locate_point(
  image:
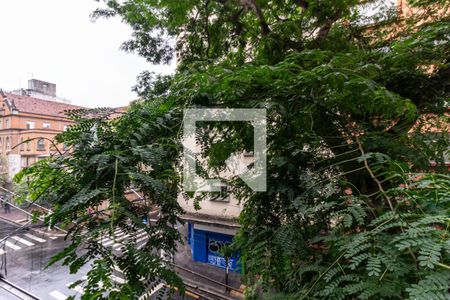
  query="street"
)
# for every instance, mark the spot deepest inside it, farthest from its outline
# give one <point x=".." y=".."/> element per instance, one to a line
<point x="25" y="254"/>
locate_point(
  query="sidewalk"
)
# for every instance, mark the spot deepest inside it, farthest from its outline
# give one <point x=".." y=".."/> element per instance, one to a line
<point x="21" y="218"/>
<point x="15" y="215"/>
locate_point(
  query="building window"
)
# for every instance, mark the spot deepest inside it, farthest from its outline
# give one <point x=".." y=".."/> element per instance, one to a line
<point x="249" y="154"/>
<point x="40" y="144"/>
<point x="22" y="145"/>
<point x="7" y="123"/>
<point x="28" y="144"/>
<point x="1" y="145"/>
<point x="30" y="125"/>
<point x="222" y="196"/>
<point x="8" y="143"/>
<point x="46" y="125"/>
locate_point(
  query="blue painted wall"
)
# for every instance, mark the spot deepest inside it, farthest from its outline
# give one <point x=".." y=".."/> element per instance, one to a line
<point x="199" y="246"/>
<point x="204" y="246"/>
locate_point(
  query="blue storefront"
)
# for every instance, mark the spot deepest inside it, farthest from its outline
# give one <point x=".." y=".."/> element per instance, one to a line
<point x="205" y="245"/>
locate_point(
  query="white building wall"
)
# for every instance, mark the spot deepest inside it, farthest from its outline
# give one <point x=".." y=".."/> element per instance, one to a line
<point x="14" y="165"/>
<point x="221" y="209"/>
<point x="226" y="209"/>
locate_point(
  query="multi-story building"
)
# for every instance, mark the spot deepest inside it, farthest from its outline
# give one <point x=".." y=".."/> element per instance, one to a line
<point x="211" y="227"/>
<point x="215" y="223"/>
<point x="28" y="124"/>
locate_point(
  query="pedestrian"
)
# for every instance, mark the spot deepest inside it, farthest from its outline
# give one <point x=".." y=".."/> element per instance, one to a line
<point x="7" y="207"/>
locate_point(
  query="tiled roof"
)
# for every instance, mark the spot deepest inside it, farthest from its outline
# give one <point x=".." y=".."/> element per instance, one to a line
<point x="38" y="106"/>
<point x="119" y="111"/>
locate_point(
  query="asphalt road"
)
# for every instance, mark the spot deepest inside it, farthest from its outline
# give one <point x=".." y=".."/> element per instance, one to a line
<point x="4" y="295"/>
<point x="23" y="260"/>
<point x="24" y="257"/>
<point x="6" y="228"/>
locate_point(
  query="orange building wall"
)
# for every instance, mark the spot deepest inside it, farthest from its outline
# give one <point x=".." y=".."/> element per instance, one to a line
<point x="13" y="130"/>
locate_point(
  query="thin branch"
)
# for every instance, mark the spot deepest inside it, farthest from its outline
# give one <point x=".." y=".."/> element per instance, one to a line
<point x="208" y="36"/>
<point x="372" y="175"/>
<point x="38" y="138"/>
<point x="383" y="192"/>
<point x="265" y="30"/>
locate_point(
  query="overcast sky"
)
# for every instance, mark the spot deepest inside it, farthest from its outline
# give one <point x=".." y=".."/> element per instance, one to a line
<point x="55" y="40"/>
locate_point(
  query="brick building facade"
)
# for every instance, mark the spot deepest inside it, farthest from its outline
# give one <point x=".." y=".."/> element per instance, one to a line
<point x="24" y="118"/>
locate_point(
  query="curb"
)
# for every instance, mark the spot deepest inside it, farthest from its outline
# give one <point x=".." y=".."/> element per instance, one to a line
<point x="16" y="223"/>
<point x="10" y="222"/>
<point x="53" y="234"/>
